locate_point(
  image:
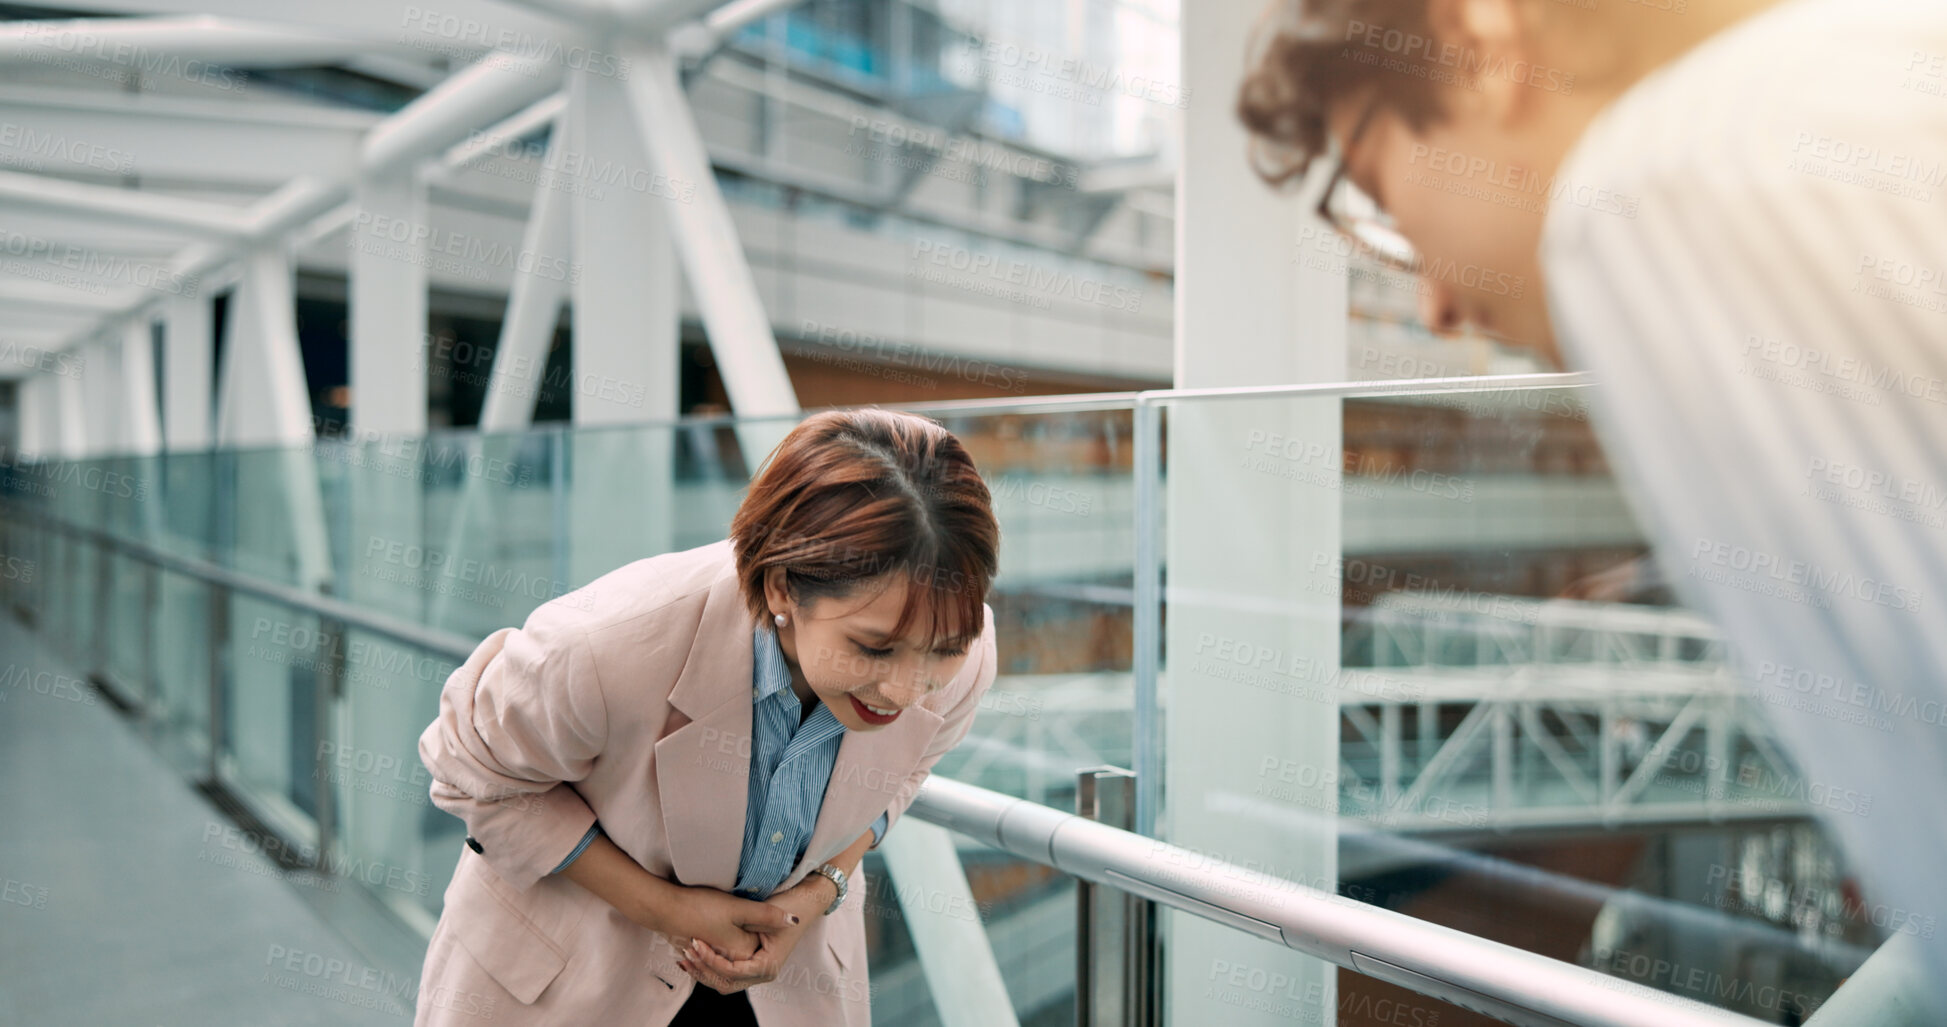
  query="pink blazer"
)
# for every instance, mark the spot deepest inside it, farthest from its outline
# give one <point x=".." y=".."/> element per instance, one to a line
<point x="629" y="699"/>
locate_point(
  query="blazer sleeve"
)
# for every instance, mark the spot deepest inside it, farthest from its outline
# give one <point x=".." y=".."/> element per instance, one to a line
<point x="954" y="727"/>
<point x="521" y="718"/>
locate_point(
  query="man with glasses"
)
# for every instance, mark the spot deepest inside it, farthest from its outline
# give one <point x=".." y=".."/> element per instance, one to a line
<point x="1733" y="213"/>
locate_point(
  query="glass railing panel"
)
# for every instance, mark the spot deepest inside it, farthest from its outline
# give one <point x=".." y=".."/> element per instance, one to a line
<point x="270" y="713"/>
<point x="1413" y="655"/>
<point x="389" y="835"/>
<point x="180" y="662"/>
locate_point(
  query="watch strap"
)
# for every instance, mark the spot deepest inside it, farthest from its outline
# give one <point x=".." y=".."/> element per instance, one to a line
<point x="837" y="877"/>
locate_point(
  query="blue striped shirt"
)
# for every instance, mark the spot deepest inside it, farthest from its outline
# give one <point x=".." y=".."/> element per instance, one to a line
<point x="790" y="765"/>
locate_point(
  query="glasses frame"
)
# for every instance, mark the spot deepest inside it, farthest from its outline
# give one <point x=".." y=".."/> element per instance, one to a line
<point x="1360" y="231"/>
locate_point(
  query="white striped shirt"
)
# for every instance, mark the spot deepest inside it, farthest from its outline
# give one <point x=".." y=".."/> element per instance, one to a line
<point x="1768" y="335"/>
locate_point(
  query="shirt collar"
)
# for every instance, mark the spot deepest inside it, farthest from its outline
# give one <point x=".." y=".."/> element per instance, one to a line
<point x="769" y="671"/>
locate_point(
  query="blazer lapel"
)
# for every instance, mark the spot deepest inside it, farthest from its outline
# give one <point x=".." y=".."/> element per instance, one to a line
<point x="871" y="768"/>
<point x="703" y="767"/>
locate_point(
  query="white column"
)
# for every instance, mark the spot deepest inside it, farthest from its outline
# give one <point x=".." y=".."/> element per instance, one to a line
<point x="101" y="405"/>
<point x="142" y="428"/>
<point x="390" y="237"/>
<point x="390" y="233"/>
<point x="31" y="409"/>
<point x="1251" y="552"/>
<point x="71" y="435"/>
<point x="187" y="348"/>
<point x="626" y="317"/>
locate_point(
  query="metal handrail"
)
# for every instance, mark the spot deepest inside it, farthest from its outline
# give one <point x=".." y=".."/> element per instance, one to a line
<point x="1073" y="401"/>
<point x="1474" y="973"/>
<point x="434" y="641"/>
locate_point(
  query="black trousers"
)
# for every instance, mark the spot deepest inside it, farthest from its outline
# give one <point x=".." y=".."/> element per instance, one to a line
<point x="706" y="1008"/>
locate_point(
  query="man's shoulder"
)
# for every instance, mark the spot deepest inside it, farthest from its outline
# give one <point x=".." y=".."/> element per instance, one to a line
<point x="1783" y="100"/>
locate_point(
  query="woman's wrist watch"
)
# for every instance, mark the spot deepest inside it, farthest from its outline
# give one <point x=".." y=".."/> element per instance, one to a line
<point x="837" y="877"/>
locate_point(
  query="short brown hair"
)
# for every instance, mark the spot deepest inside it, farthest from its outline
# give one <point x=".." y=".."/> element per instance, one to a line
<point x="1310" y="63"/>
<point x="852" y="494"/>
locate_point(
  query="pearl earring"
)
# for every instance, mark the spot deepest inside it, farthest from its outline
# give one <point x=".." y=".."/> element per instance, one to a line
<point x="779" y="618"/>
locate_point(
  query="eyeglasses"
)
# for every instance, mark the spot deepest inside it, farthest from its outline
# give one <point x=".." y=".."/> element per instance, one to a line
<point x="1354" y="215"/>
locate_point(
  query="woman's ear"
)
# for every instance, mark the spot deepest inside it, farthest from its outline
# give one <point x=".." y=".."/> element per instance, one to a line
<point x="777" y="595"/>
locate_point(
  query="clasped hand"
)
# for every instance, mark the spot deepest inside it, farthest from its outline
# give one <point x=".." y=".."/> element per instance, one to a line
<point x="731" y="943"/>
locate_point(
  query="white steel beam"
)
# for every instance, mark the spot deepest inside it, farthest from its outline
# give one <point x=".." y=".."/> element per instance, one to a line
<point x="257" y="145"/>
<point x="147" y="43"/>
<point x="22" y="292"/>
<point x="533" y="304"/>
<point x="128" y="206"/>
<point x="463" y="20"/>
<point x="485" y="92"/>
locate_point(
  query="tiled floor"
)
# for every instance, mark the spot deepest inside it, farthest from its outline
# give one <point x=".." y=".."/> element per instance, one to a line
<point x="126" y="898"/>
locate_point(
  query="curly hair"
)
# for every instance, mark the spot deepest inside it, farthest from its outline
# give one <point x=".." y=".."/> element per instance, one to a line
<point x="1310" y="55"/>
